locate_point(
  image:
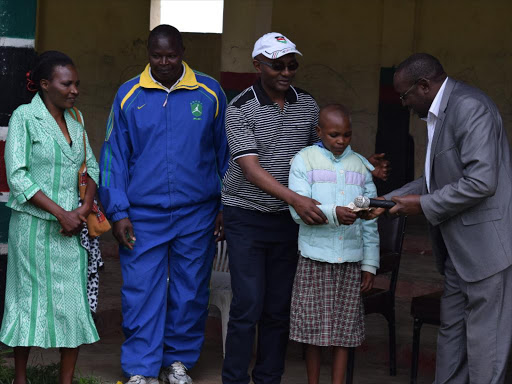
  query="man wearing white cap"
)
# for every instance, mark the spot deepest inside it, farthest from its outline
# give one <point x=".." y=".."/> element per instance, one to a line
<point x="266" y="125"/>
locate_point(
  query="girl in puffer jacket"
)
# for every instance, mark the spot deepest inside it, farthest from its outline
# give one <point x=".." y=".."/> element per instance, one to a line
<point x="339" y="258"/>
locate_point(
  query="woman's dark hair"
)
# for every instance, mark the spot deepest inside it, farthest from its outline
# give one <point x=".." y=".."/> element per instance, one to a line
<point x="43" y="69"/>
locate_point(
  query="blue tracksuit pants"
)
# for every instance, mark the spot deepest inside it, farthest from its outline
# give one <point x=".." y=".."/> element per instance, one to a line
<point x="164" y="322"/>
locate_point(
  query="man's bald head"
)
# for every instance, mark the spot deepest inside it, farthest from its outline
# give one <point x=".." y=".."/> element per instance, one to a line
<point x="421" y="65"/>
<point x="417" y="80"/>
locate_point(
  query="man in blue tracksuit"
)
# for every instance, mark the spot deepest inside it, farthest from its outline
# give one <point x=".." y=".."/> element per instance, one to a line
<point x="162" y="163"/>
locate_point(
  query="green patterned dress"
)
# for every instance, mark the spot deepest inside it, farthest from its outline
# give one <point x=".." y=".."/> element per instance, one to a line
<point x="46" y="294"/>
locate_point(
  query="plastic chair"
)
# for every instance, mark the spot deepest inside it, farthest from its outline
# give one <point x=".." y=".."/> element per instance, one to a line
<point x="424" y="309"/>
<point x="220" y="288"/>
<point x="377" y="300"/>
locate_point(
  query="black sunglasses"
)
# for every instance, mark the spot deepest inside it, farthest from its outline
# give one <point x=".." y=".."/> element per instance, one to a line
<point x="279" y="66"/>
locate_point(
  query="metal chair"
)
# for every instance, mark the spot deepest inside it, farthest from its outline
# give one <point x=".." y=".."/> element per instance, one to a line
<point x="220" y="288"/>
<point x="377" y="300"/>
<point x="424" y="309"/>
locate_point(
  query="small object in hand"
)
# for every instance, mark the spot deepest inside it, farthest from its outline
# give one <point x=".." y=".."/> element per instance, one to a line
<point x="356" y="208"/>
<point x="129" y="238"/>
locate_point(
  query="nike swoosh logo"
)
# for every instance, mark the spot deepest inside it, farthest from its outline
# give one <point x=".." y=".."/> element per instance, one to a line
<point x="141" y="106"/>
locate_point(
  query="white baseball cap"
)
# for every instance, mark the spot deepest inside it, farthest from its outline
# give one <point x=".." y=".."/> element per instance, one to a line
<point x="273" y="45"/>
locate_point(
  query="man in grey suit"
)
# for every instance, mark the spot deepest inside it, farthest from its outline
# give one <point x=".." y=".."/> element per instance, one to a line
<point x="465" y="194"/>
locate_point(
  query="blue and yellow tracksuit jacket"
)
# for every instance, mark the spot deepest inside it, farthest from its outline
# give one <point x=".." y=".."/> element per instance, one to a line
<point x="161" y="149"/>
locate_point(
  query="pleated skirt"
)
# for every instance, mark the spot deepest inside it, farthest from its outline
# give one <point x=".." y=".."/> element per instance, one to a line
<point x="327" y="307"/>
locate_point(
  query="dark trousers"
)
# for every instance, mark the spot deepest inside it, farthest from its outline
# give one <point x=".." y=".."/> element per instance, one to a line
<point x="262" y="250"/>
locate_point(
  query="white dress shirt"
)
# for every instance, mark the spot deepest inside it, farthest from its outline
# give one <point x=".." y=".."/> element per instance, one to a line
<point x="432" y="118"/>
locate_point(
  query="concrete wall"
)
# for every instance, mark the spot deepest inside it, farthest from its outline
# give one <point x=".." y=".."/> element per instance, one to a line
<point x="244" y="22"/>
<point x="345" y="43"/>
<point x="107" y="41"/>
<point x="473" y="40"/>
<point x="202" y="52"/>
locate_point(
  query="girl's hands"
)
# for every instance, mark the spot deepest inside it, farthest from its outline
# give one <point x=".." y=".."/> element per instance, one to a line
<point x="345" y="215"/>
<point x="366" y="281"/>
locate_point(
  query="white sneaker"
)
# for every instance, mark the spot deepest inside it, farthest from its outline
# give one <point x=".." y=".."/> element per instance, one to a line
<point x="139" y="379"/>
<point x="176" y="373"/>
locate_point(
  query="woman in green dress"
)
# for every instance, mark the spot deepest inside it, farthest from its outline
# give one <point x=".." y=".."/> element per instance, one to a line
<point x="46" y="299"/>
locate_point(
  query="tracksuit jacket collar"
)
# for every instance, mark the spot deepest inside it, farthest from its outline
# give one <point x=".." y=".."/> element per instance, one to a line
<point x="188" y="81"/>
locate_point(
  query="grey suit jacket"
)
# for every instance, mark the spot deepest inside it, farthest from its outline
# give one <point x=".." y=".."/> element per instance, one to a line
<point x="469" y="207"/>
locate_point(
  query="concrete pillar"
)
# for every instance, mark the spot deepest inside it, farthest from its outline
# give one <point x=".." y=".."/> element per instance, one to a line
<point x="244" y="22"/>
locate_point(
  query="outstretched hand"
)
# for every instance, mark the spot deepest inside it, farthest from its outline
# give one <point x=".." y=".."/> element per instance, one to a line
<point x="382" y="166"/>
<point x="372" y="213"/>
<point x="308" y="211"/>
<point x="407" y="205"/>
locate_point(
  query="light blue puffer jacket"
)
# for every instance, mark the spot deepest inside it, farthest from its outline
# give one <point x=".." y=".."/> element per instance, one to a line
<point x="335" y="181"/>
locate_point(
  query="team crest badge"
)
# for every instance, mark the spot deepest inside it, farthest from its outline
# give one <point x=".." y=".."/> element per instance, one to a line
<point x="196" y="107"/>
<point x="281" y="39"/>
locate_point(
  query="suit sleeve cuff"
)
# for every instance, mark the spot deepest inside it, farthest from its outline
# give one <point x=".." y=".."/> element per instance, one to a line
<point x="388" y="196"/>
<point x="431" y="217"/>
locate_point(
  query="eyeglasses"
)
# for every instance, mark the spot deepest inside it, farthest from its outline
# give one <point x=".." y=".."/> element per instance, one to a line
<point x="279" y="66"/>
<point x="403" y="96"/>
